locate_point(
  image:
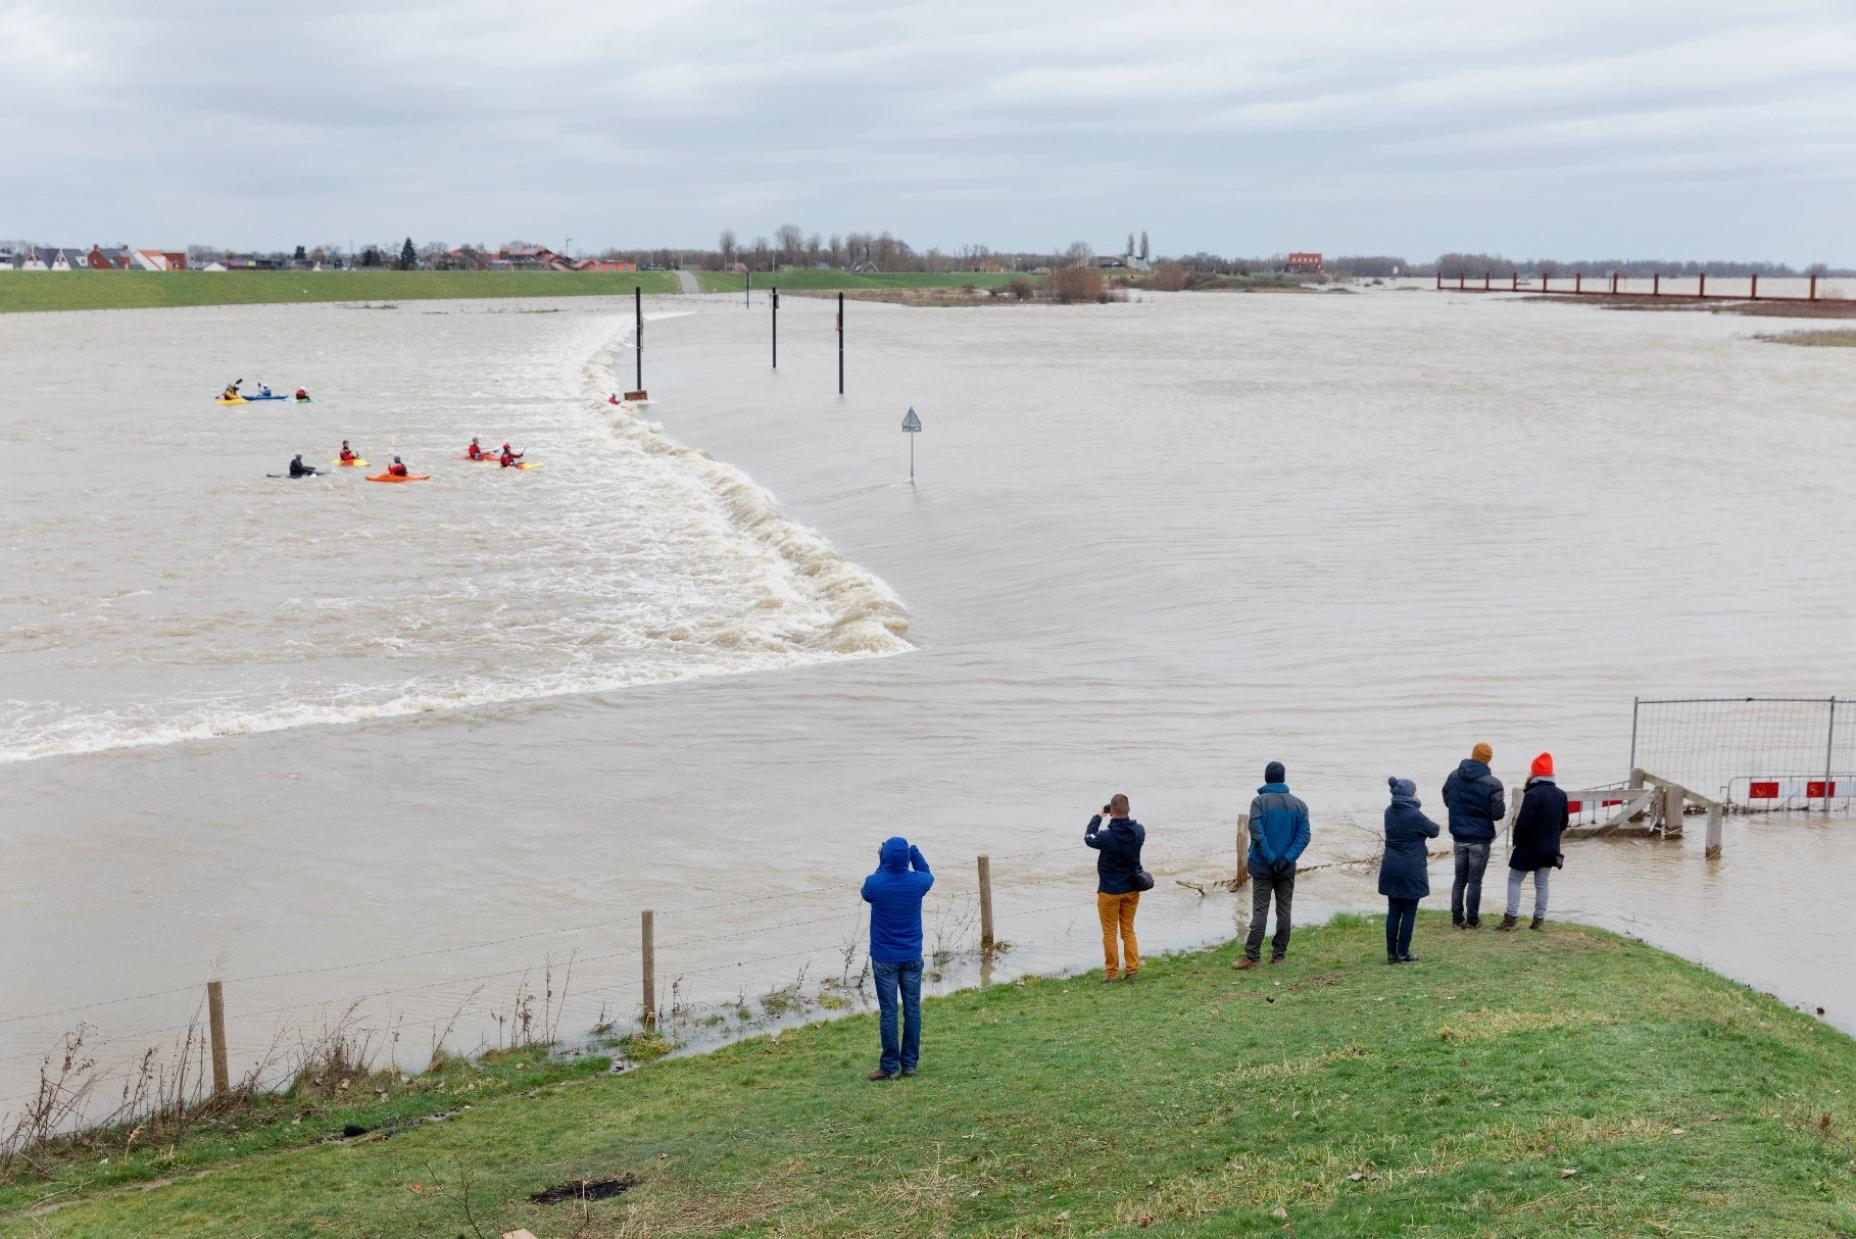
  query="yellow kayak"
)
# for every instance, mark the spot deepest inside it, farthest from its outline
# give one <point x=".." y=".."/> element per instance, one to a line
<point x="234" y="400"/>
<point x="356" y="463"/>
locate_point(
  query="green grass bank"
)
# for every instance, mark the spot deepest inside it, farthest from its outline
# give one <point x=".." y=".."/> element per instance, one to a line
<point x="126" y="290"/>
<point x="1558" y="1083"/>
<point x="808" y="280"/>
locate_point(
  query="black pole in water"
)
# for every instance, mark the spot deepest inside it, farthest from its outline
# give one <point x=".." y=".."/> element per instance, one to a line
<point x="776" y="327"/>
<point x="840" y="344"/>
<point x="638" y="331"/>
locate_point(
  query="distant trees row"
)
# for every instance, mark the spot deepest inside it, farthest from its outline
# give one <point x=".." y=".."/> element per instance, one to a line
<point x="1496" y="264"/>
<point x="790" y="245"/>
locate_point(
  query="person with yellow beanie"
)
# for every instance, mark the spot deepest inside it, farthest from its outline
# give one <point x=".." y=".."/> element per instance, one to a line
<point x="1473" y="797"/>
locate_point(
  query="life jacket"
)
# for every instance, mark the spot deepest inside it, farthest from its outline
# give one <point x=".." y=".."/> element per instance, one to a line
<point x="347" y="455"/>
<point x="301" y="394"/>
<point x="508" y="459"/>
<point x="396" y="471"/>
<point x="476" y="453"/>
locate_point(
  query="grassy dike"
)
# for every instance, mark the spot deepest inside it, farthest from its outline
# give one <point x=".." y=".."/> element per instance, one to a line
<point x="1570" y="1082"/>
<point x="801" y="279"/>
<point x="125" y="290"/>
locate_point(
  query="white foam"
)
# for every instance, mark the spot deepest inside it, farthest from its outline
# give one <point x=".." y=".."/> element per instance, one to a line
<point x="648" y="563"/>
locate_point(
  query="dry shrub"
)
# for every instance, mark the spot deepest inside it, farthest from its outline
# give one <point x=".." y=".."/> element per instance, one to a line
<point x="1022" y="288"/>
<point x="1168" y="277"/>
<point x="1074" y="284"/>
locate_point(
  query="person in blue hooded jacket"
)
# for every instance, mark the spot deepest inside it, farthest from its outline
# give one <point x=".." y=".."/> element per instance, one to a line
<point x="1474" y="798"/>
<point x="1278" y="836"/>
<point x="894" y="893"/>
<point x="1404" y="867"/>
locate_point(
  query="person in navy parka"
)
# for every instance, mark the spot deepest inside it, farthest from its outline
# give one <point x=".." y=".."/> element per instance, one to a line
<point x="1404" y="868"/>
<point x="894" y="893"/>
<point x="1475" y="800"/>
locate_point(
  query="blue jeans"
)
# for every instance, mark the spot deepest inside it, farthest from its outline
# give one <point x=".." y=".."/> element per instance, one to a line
<point x="906" y="979"/>
<point x="1472" y="858"/>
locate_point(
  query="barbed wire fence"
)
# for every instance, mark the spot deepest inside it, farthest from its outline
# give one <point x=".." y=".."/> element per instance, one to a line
<point x="1757" y="754"/>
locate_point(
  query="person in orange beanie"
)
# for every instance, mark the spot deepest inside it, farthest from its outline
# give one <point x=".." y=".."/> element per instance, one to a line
<point x="1537" y="830"/>
<point x="1474" y="798"/>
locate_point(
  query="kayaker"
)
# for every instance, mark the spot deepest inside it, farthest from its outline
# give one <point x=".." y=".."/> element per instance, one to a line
<point x="302" y="395"/>
<point x="508" y="458"/>
<point x="232" y="390"/>
<point x="264" y="389"/>
<point x="474" y="451"/>
<point x="613" y="398"/>
<point x="300" y="470"/>
<point x="397" y="469"/>
<point x="348" y="457"/>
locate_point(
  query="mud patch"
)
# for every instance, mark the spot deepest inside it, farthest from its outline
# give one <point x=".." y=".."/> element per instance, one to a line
<point x="586" y="1189"/>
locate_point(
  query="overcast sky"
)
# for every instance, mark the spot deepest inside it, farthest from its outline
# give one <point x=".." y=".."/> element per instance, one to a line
<point x="1571" y="128"/>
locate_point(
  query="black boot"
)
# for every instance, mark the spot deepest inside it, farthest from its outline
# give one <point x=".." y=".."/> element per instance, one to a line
<point x="1508" y="922"/>
<point x="1540" y="922"/>
<point x="1391" y="958"/>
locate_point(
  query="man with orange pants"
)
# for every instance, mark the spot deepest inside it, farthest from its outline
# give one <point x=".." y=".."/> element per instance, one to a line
<point x="1118" y="885"/>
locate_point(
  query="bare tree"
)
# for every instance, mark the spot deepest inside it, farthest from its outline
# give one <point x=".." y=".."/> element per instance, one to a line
<point x="835" y="246"/>
<point x="791" y="239"/>
<point x="1144" y="251"/>
<point x="726" y="243"/>
<point x="760" y="253"/>
<point x="813" y="245"/>
<point x="1130" y="249"/>
<point x="1078" y="254"/>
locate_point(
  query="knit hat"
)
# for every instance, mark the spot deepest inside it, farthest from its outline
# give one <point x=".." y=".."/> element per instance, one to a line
<point x="1543" y="766"/>
<point x="1482" y="753"/>
<point x="1404" y="788"/>
<point x="1274" y="773"/>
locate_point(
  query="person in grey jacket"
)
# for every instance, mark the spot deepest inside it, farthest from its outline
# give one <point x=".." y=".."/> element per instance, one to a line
<point x="1474" y="798"/>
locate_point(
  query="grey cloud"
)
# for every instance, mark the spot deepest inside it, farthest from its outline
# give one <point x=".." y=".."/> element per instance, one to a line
<point x="1571" y="126"/>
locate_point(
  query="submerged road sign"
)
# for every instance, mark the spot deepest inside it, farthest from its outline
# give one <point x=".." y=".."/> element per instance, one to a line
<point x="911" y="425"/>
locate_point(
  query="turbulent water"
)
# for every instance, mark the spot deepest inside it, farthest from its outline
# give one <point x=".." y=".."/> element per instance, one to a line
<point x="163" y="589"/>
<point x="334" y="740"/>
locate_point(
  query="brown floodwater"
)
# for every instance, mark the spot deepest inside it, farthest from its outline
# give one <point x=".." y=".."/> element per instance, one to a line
<point x="348" y="743"/>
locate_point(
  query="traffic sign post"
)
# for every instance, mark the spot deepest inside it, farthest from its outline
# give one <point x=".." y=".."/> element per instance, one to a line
<point x="911" y="425"/>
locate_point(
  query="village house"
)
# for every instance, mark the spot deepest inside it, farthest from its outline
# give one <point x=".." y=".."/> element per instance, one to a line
<point x="50" y="258"/>
<point x="159" y="260"/>
<point x="604" y="264"/>
<point x="112" y="258"/>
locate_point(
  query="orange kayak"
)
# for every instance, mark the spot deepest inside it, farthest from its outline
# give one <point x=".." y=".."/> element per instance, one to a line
<point x="410" y="477"/>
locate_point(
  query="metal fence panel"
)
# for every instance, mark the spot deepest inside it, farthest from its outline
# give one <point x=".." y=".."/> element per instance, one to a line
<point x="1753" y="752"/>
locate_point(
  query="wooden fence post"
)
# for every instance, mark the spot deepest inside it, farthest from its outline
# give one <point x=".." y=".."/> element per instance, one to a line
<point x="650" y="971"/>
<point x="1243" y="850"/>
<point x="1715" y="813"/>
<point x="216" y="1025"/>
<point x="1672" y="811"/>
<point x="986" y="939"/>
